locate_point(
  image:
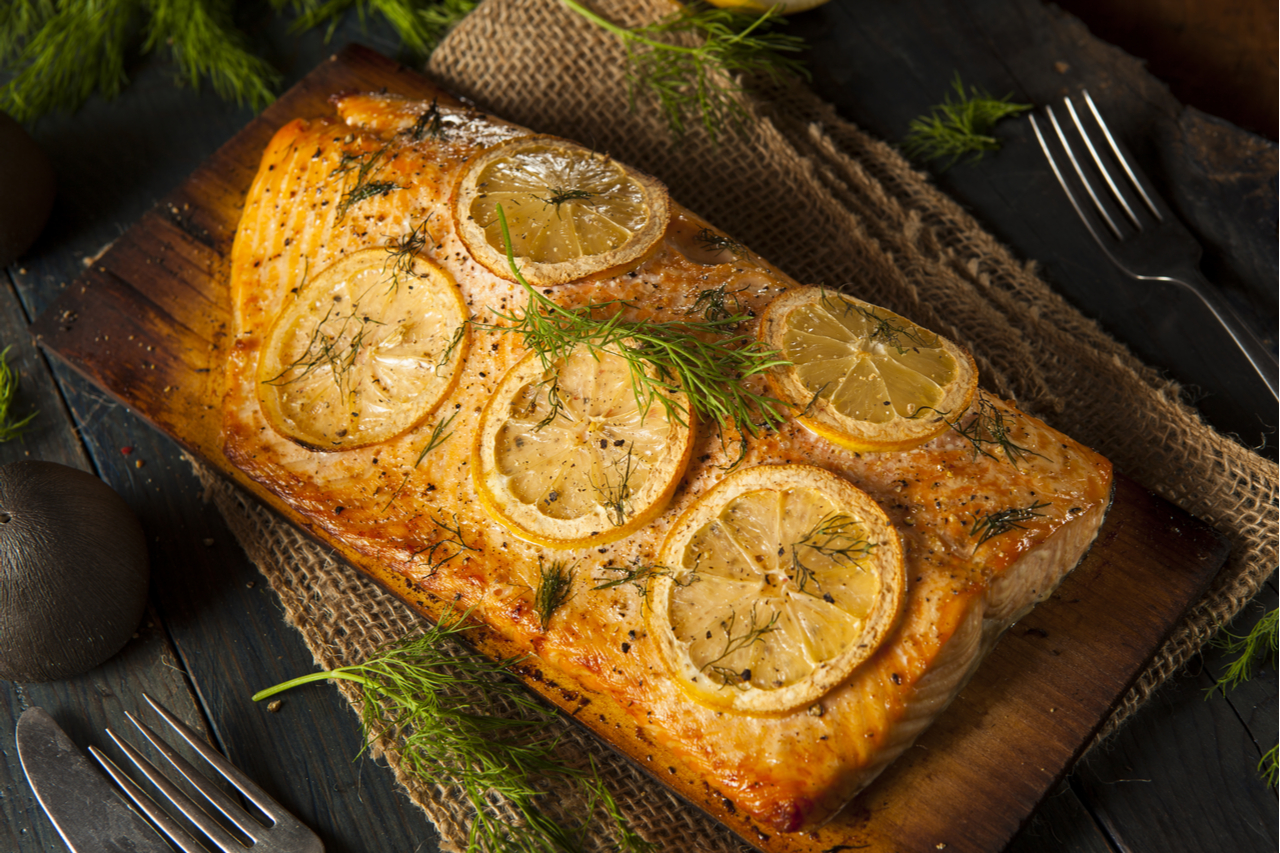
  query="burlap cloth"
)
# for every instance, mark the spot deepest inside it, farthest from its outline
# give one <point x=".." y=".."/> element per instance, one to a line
<point x="827" y="203"/>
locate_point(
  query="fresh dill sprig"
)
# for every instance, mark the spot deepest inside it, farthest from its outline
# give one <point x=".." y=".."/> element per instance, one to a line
<point x="836" y="536"/>
<point x="560" y="195"/>
<point x="402" y="253"/>
<point x="451" y="544"/>
<point x="992" y="524"/>
<point x="753" y="633"/>
<point x="713" y="242"/>
<point x="713" y="305"/>
<point x="960" y="126"/>
<point x="1269" y="765"/>
<point x="420" y="691"/>
<point x="1248" y="649"/>
<point x="56" y="54"/>
<point x="987" y="428"/>
<point x="897" y="335"/>
<point x="1261" y="642"/>
<point x="336" y="349"/>
<point x="9" y="382"/>
<point x="555" y="587"/>
<point x="363" y="188"/>
<point x="695" y="61"/>
<point x="438" y="437"/>
<point x="639" y="577"/>
<point x="430" y="124"/>
<point x="419" y="25"/>
<point x="666" y="359"/>
<point x="807" y="411"/>
<point x="615" y="494"/>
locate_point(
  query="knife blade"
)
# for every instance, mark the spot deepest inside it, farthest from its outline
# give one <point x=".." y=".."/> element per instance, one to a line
<point x="85" y="808"/>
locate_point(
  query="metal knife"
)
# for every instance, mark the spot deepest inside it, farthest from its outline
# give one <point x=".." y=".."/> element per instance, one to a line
<point x="85" y="808"/>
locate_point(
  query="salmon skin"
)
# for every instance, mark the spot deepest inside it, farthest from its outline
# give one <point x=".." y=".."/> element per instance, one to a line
<point x="419" y="515"/>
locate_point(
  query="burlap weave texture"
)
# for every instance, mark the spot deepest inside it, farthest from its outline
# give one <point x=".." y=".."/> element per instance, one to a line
<point x="856" y="213"/>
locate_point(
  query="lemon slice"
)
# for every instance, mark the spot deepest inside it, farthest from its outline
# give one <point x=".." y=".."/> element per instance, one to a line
<point x="777" y="583"/>
<point x="862" y="376"/>
<point x="570" y="211"/>
<point x="569" y="457"/>
<point x="369" y="348"/>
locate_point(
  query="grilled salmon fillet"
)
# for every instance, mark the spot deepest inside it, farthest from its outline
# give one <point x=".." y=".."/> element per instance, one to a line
<point x="419" y="515"/>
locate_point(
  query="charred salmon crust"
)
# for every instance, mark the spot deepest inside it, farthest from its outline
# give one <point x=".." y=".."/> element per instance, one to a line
<point x="987" y="529"/>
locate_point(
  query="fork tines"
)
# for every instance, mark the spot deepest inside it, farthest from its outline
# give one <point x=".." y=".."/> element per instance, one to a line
<point x="285" y="833"/>
<point x="1092" y="160"/>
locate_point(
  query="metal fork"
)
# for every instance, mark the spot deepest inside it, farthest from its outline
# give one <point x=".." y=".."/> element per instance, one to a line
<point x="286" y="834"/>
<point x="1134" y="228"/>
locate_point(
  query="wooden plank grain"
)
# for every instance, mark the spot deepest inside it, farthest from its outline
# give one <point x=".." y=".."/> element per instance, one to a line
<point x="971" y="781"/>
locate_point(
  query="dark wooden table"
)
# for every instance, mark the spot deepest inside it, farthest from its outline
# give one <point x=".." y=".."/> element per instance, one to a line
<point x="1181" y="777"/>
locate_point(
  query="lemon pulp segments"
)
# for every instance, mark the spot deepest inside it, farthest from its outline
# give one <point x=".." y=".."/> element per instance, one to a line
<point x="784" y="578"/>
<point x="863" y="376"/>
<point x="367" y="349"/>
<point x="570" y="212"/>
<point x="870" y="363"/>
<point x="572" y="456"/>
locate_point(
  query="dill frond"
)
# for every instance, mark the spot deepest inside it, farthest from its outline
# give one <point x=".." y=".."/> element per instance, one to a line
<point x="836" y="536"/>
<point x="1269" y="765"/>
<point x="639" y="577"/>
<point x="555" y="587"/>
<point x="713" y="242"/>
<point x="364" y="164"/>
<point x="1248" y="649"/>
<point x="336" y="342"/>
<point x="437" y="438"/>
<point x="698" y="359"/>
<point x="449" y="545"/>
<point x="992" y="524"/>
<point x="986" y="429"/>
<point x="419" y="692"/>
<point x="696" y="62"/>
<point x="713" y="305"/>
<point x="959" y="126"/>
<point x="615" y="493"/>
<point x="57" y="55"/>
<point x="752" y="633"/>
<point x="429" y="124"/>
<point x="560" y="195"/>
<point x="9" y="381"/>
<point x="205" y="44"/>
<point x="419" y="25"/>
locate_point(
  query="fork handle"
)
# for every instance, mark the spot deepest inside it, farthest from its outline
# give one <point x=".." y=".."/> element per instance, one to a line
<point x="1255" y="350"/>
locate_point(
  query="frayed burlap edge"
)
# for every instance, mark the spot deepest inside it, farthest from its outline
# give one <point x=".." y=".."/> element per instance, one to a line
<point x="859" y="216"/>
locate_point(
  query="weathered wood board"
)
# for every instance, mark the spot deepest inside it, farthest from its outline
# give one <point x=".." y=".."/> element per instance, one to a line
<point x="146" y="322"/>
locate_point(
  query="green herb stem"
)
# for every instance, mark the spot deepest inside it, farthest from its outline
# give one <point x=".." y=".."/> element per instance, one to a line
<point x="700" y="79"/>
<point x="9" y="382"/>
<point x="495" y="740"/>
<point x="696" y="359"/>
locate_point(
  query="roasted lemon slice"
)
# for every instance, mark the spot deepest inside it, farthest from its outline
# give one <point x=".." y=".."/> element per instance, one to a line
<point x="862" y="376"/>
<point x="367" y="349"/>
<point x="775" y="585"/>
<point x="570" y="211"/>
<point x="570" y="457"/>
